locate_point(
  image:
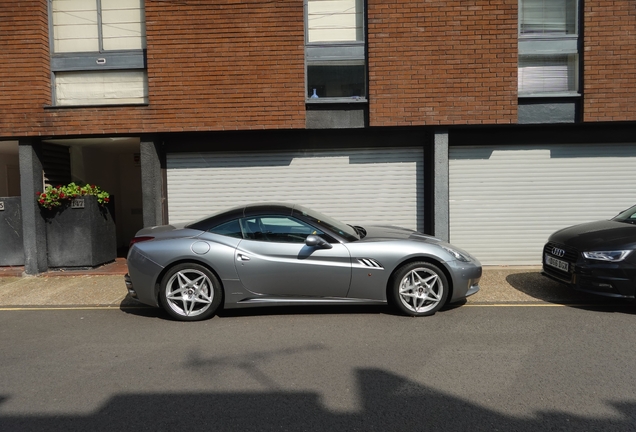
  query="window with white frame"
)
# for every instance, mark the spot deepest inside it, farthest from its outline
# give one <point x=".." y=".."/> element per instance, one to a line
<point x="98" y="52"/>
<point x="335" y="50"/>
<point x="548" y="48"/>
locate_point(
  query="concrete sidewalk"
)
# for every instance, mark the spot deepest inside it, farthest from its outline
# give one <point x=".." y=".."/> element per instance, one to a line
<point x="107" y="289"/>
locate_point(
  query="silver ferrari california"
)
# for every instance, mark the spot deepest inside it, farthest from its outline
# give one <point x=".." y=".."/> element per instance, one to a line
<point x="279" y="254"/>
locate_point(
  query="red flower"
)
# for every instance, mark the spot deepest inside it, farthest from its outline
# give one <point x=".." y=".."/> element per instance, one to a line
<point x="41" y="201"/>
<point x="106" y="199"/>
<point x="62" y="195"/>
<point x="43" y="195"/>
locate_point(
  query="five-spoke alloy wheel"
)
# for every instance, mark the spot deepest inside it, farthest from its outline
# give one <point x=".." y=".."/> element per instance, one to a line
<point x="419" y="289"/>
<point x="190" y="292"/>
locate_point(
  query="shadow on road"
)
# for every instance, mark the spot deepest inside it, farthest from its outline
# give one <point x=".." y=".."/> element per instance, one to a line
<point x="542" y="288"/>
<point x="387" y="403"/>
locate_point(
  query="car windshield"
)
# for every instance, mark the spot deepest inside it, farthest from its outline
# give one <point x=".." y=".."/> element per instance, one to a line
<point x="343" y="230"/>
<point x="628" y="216"/>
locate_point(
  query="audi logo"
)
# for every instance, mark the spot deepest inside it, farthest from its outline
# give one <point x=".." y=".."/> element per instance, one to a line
<point x="558" y="252"/>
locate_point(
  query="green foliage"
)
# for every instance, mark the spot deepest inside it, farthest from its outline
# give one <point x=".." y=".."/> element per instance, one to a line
<point x="56" y="196"/>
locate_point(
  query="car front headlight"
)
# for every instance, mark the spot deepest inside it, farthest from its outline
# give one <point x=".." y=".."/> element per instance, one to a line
<point x="612" y="256"/>
<point x="457" y="254"/>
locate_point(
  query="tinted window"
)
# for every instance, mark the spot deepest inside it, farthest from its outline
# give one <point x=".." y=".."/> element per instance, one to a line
<point x="343" y="230"/>
<point x="628" y="215"/>
<point x="230" y="229"/>
<point x="279" y="229"/>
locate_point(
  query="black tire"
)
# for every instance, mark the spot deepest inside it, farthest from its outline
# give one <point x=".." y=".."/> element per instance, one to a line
<point x="190" y="292"/>
<point x="419" y="289"/>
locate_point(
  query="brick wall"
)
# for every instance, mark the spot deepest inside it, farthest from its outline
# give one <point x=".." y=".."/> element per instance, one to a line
<point x="609" y="60"/>
<point x="212" y="65"/>
<point x="238" y="64"/>
<point x="442" y="62"/>
<point x="24" y="65"/>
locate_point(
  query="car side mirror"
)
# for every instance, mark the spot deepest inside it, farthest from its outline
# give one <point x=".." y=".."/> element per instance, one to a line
<point x="317" y="241"/>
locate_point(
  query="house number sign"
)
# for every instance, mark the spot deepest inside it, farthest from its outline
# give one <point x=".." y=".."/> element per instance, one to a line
<point x="77" y="203"/>
<point x="1" y="205"/>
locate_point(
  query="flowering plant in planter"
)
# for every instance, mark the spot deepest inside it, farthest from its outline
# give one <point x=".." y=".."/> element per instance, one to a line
<point x="56" y="196"/>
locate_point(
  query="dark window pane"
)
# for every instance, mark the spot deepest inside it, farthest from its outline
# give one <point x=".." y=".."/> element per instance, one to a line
<point x="230" y="229"/>
<point x="336" y="81"/>
<point x="279" y="229"/>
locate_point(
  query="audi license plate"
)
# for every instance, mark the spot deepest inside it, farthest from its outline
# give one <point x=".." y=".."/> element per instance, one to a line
<point x="557" y="263"/>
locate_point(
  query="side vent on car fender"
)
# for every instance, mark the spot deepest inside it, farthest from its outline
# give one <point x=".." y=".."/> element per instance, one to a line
<point x="369" y="262"/>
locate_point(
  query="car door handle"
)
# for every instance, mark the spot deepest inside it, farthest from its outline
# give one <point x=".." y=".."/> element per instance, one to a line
<point x="241" y="257"/>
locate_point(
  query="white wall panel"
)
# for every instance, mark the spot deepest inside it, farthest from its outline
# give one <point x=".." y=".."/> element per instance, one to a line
<point x="357" y="186"/>
<point x="505" y="201"/>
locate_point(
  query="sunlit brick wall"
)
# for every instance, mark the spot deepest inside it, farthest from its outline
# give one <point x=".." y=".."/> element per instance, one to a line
<point x="609" y="77"/>
<point x="442" y="62"/>
<point x="212" y="65"/>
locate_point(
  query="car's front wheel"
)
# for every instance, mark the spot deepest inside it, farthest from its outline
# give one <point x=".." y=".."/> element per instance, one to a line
<point x="419" y="289"/>
<point x="190" y="292"/>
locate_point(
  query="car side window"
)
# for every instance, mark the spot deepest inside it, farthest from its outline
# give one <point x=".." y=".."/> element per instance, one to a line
<point x="230" y="229"/>
<point x="278" y="229"/>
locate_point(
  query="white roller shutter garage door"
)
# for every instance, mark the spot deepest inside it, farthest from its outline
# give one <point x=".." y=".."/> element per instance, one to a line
<point x="361" y="186"/>
<point x="506" y="200"/>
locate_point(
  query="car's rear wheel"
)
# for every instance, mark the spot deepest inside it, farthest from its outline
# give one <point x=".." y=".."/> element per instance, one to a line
<point x="190" y="292"/>
<point x="419" y="289"/>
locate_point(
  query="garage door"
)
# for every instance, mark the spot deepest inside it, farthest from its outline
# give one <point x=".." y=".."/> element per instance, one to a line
<point x="360" y="186"/>
<point x="505" y="201"/>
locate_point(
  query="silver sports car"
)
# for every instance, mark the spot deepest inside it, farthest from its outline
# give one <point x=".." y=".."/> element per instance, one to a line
<point x="279" y="254"/>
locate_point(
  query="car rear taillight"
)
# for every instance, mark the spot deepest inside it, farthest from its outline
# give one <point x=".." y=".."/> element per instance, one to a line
<point x="140" y="239"/>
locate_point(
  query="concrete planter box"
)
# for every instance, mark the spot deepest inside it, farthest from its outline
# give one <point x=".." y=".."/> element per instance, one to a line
<point x="81" y="234"/>
<point x="12" y="246"/>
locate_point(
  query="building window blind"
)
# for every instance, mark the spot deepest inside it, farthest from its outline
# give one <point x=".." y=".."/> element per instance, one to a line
<point x="98" y="55"/>
<point x="539" y="17"/>
<point x="335" y="21"/>
<point x="101" y="87"/>
<point x="547" y="74"/>
<point x="98" y="25"/>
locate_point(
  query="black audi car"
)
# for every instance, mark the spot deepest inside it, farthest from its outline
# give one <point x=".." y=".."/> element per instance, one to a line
<point x="596" y="257"/>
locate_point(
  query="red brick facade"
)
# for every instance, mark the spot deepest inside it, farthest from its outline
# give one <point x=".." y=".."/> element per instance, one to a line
<point x="212" y="65"/>
<point x="239" y="64"/>
<point x="229" y="64"/>
<point x="442" y="62"/>
<point x="609" y="75"/>
<point x="24" y="66"/>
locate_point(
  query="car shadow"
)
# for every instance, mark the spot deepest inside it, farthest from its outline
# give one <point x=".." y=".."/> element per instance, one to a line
<point x="132" y="307"/>
<point x="535" y="285"/>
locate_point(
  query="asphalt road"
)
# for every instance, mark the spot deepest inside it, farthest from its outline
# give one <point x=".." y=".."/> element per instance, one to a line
<point x="475" y="367"/>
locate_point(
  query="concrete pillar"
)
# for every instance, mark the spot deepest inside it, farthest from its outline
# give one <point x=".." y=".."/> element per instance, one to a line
<point x="151" y="183"/>
<point x="441" y="219"/>
<point x="33" y="226"/>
